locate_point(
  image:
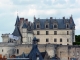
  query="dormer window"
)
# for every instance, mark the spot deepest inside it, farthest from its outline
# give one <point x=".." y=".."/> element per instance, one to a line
<point x="55" y="26"/>
<point x="67" y="26"/>
<point x="38" y="26"/>
<point x="47" y="26"/>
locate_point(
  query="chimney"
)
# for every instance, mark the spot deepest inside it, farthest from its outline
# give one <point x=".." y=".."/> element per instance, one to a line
<point x="51" y="17"/>
<point x="21" y="20"/>
<point x="26" y="20"/>
<point x="64" y="18"/>
<point x="71" y="19"/>
<point x="34" y="18"/>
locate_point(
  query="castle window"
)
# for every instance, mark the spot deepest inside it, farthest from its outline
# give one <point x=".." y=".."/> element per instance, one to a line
<point x="2" y="50"/>
<point x="67" y="40"/>
<point x="38" y="40"/>
<point x="17" y="51"/>
<point x="47" y="26"/>
<point x="67" y="44"/>
<point x="55" y="40"/>
<point x="67" y="25"/>
<point x="55" y="32"/>
<point x="67" y="32"/>
<point x="38" y="33"/>
<point x="60" y="40"/>
<point x="55" y="26"/>
<point x="47" y="32"/>
<point x="38" y="26"/>
<point x="47" y="40"/>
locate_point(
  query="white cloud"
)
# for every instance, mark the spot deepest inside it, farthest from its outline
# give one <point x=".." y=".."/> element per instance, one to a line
<point x="40" y="8"/>
<point x="5" y="3"/>
<point x="78" y="2"/>
<point x="77" y="22"/>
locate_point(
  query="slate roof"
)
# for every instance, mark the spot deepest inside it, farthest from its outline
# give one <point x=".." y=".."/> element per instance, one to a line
<point x="24" y="25"/>
<point x="35" y="53"/>
<point x="16" y="32"/>
<point x="23" y="55"/>
<point x="17" y="21"/>
<point x="61" y="23"/>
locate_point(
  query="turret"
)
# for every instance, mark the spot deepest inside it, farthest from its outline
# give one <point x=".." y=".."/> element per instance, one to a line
<point x="5" y="37"/>
<point x="24" y="33"/>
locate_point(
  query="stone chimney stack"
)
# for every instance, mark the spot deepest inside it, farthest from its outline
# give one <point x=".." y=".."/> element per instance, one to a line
<point x="71" y="19"/>
<point x="51" y="18"/>
<point x="26" y="21"/>
<point x="21" y="20"/>
<point x="34" y="18"/>
<point x="64" y="19"/>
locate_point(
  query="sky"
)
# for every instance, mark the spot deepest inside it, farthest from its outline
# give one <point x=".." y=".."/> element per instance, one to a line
<point x="9" y="9"/>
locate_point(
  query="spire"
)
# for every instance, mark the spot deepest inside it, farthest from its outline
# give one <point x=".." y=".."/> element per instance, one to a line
<point x="17" y="21"/>
<point x="16" y="32"/>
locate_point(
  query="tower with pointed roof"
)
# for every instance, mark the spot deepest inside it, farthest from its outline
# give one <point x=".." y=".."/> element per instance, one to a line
<point x="24" y="33"/>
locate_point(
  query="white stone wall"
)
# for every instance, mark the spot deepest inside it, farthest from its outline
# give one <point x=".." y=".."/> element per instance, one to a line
<point x="27" y="37"/>
<point x="24" y="35"/>
<point x="30" y="38"/>
<point x="5" y="37"/>
<point x="6" y="50"/>
<point x="60" y="34"/>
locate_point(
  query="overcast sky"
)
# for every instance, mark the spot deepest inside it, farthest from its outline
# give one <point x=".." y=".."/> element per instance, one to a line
<point x="39" y="8"/>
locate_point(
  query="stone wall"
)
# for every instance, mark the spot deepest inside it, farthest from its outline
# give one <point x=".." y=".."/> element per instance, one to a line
<point x="64" y="52"/>
<point x="61" y="34"/>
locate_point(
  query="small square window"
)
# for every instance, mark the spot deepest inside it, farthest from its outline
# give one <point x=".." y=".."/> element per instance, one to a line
<point x="67" y="40"/>
<point x="38" y="33"/>
<point x="60" y="40"/>
<point x="2" y="50"/>
<point x="55" y="40"/>
<point x="67" y="32"/>
<point x="47" y="32"/>
<point x="55" y="32"/>
<point x="47" y="40"/>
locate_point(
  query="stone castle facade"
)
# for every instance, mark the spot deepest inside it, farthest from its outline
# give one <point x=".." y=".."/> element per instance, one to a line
<point x="56" y="36"/>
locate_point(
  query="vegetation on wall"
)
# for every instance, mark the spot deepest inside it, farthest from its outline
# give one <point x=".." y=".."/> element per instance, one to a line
<point x="77" y="39"/>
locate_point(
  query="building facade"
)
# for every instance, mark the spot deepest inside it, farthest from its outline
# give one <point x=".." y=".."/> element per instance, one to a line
<point x="48" y="31"/>
<point x="55" y="36"/>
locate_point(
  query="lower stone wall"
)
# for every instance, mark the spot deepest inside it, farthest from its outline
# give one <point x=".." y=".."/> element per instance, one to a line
<point x="64" y="52"/>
